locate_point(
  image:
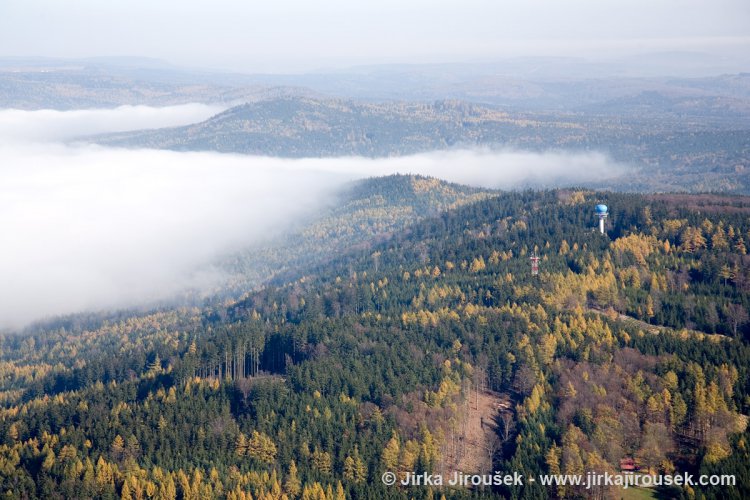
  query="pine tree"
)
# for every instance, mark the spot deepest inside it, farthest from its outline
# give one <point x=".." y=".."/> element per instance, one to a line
<point x="340" y="495"/>
<point x="322" y="461"/>
<point x="349" y="469"/>
<point x="155" y="367"/>
<point x="292" y="484"/>
<point x="552" y="458"/>
<point x="261" y="447"/>
<point x="354" y="468"/>
<point x="13" y="432"/>
<point x="649" y="308"/>
<point x="391" y="453"/>
<point x="167" y="489"/>
<point x="49" y="460"/>
<point x="125" y="493"/>
<point x="240" y="445"/>
<point x="118" y="448"/>
<point x="104" y="476"/>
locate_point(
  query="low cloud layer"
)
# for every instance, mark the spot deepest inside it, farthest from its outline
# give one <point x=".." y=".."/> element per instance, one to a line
<point x="505" y="169"/>
<point x="88" y="228"/>
<point x="53" y="125"/>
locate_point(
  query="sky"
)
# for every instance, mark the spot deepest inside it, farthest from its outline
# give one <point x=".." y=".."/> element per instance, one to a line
<point x="287" y="36"/>
<point x="89" y="228"/>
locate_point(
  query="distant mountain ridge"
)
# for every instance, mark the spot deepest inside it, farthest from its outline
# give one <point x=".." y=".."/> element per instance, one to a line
<point x="679" y="143"/>
<point x="307" y="127"/>
<point x="683" y="134"/>
<point x="522" y="84"/>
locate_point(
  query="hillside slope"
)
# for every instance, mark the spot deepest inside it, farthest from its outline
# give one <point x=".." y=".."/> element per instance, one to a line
<point x="362" y="365"/>
<point x="360" y="215"/>
<point x="303" y="127"/>
<point x="686" y="144"/>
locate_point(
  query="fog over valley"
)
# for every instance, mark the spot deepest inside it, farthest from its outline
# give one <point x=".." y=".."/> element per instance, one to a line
<point x="91" y="227"/>
<point x="404" y="250"/>
<point x="52" y="125"/>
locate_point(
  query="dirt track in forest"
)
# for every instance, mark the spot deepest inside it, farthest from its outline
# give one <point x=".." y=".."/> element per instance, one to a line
<point x="477" y="428"/>
<point x="654" y="329"/>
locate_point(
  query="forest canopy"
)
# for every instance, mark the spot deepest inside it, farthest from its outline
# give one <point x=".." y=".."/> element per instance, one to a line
<point x="631" y="345"/>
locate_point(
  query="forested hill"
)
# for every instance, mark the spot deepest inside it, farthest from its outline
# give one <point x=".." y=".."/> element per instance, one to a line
<point x="356" y="216"/>
<point x="307" y="127"/>
<point x="359" y="214"/>
<point x="632" y="344"/>
<point x="671" y="148"/>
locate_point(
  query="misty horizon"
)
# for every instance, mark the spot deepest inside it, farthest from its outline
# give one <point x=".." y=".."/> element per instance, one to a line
<point x="674" y="61"/>
<point x="294" y="37"/>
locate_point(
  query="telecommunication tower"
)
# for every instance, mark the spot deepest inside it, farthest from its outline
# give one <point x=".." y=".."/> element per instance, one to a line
<point x="602" y="212"/>
<point x="534" y="264"/>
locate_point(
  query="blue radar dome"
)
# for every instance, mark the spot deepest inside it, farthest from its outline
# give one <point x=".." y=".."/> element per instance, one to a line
<point x="601" y="209"/>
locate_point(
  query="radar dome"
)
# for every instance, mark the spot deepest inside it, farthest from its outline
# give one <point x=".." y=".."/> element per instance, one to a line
<point x="601" y="209"/>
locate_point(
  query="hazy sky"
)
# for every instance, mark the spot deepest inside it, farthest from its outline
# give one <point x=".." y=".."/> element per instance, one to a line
<point x="293" y="35"/>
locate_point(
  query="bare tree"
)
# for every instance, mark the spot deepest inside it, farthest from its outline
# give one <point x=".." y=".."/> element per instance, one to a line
<point x="507" y="419"/>
<point x="491" y="445"/>
<point x="524" y="380"/>
<point x="737" y="316"/>
<point x="376" y="260"/>
<point x="479" y="384"/>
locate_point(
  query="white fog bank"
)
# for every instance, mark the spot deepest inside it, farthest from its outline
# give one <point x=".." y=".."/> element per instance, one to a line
<point x="89" y="228"/>
<point x="52" y="125"/>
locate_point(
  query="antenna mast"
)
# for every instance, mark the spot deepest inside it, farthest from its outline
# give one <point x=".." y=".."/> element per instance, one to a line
<point x="534" y="264"/>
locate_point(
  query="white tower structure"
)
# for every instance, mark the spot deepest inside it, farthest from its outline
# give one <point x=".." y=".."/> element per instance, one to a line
<point x="602" y="212"/>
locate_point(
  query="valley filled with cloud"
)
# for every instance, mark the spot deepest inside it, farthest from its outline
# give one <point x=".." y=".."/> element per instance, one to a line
<point x="88" y="227"/>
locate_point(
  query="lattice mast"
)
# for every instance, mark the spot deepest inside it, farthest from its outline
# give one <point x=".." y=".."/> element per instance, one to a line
<point x="534" y="264"/>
